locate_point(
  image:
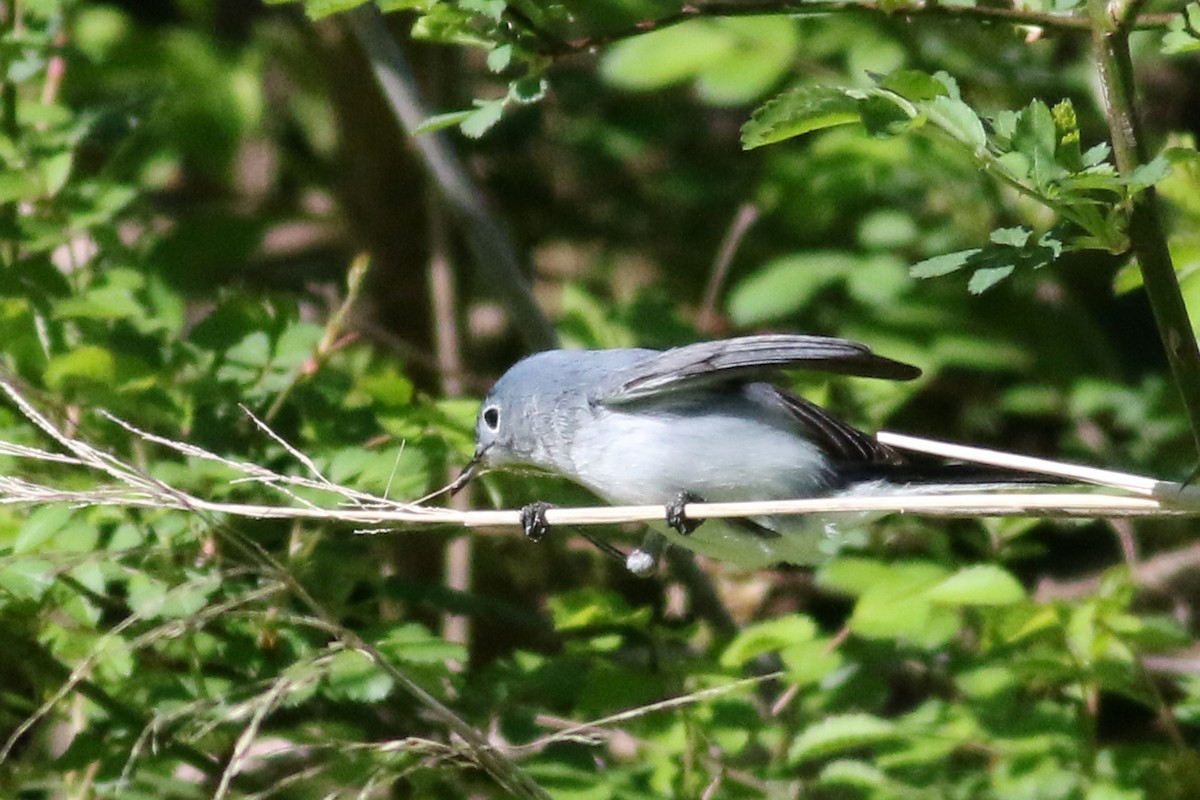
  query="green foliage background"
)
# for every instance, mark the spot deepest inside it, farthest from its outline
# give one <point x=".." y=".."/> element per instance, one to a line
<point x="185" y="187"/>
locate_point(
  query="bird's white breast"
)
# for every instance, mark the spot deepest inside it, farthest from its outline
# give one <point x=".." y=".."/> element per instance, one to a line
<point x="639" y="456"/>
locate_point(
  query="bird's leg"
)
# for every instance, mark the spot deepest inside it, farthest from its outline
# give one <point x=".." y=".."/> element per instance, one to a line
<point x="605" y="547"/>
<point x="676" y="518"/>
<point x="533" y="520"/>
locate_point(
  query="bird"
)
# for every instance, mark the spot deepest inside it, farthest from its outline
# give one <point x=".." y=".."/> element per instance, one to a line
<point x="700" y="422"/>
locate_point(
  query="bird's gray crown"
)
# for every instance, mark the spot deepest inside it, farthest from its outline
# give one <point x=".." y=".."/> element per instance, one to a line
<point x="540" y="399"/>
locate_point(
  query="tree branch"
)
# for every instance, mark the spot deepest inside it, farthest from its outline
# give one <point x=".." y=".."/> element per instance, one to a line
<point x="810" y="8"/>
<point x="490" y="245"/>
<point x="1111" y="23"/>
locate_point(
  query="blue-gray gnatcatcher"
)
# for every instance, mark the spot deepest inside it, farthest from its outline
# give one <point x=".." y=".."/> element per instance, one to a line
<point x="699" y="422"/>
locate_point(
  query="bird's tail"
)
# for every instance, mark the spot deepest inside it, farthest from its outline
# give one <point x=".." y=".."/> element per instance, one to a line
<point x="935" y="476"/>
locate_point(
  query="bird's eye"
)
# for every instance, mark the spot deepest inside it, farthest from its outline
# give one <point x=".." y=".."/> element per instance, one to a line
<point x="491" y="417"/>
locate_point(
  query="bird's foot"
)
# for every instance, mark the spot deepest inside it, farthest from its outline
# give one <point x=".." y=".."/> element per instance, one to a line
<point x="676" y="517"/>
<point x="643" y="561"/>
<point x="533" y="520"/>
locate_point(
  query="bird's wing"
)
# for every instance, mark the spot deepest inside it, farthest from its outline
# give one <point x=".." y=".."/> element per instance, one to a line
<point x="744" y="359"/>
<point x="844" y="444"/>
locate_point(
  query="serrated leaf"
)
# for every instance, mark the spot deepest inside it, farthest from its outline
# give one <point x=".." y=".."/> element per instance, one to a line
<point x="982" y="585"/>
<point x="839" y="734"/>
<point x="914" y="85"/>
<point x="943" y="264"/>
<point x="1183" y="35"/>
<point x="1013" y="237"/>
<point x="959" y="120"/>
<point x="528" y="90"/>
<point x="987" y="277"/>
<point x="797" y="112"/>
<point x="480" y="120"/>
<point x="499" y="57"/>
<point x="1149" y="173"/>
<point x="441" y="121"/>
<point x="1036" y="138"/>
<point x="1096" y="154"/>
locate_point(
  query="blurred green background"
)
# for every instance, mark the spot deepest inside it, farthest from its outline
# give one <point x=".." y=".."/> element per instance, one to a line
<point x="186" y="184"/>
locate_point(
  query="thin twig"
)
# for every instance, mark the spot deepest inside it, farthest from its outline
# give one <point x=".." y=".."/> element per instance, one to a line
<point x="490" y="245"/>
<point x="747" y="214"/>
<point x="331" y="337"/>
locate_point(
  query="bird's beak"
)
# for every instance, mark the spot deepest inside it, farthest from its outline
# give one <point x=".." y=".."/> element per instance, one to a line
<point x="469" y="471"/>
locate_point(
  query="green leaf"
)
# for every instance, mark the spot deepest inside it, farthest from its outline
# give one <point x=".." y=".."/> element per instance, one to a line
<point x="786" y="285"/>
<point x="914" y="85"/>
<point x="851" y="575"/>
<point x="983" y="585"/>
<point x="1036" y="138"/>
<point x="27" y="578"/>
<point x="18" y="185"/>
<point x="87" y="364"/>
<point x="943" y="264"/>
<point x="797" y="112"/>
<point x="767" y="637"/>
<point x="987" y="277"/>
<point x="810" y="662"/>
<point x="316" y="9"/>
<point x="839" y="734"/>
<point x="665" y="56"/>
<point x="528" y="90"/>
<point x="355" y="677"/>
<point x="42" y="525"/>
<point x="853" y="774"/>
<point x="762" y="53"/>
<point x="959" y="120"/>
<point x="105" y="302"/>
<point x="55" y="170"/>
<point x="895" y="606"/>
<point x="441" y="121"/>
<point x="479" y="121"/>
<point x="1149" y="174"/>
<point x="151" y="598"/>
<point x="1013" y="237"/>
<point x="499" y="57"/>
<point x="1183" y="34"/>
<point x="413" y="643"/>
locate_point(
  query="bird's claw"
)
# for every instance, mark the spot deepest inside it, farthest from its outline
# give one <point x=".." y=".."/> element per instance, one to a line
<point x="676" y="517"/>
<point x="533" y="520"/>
